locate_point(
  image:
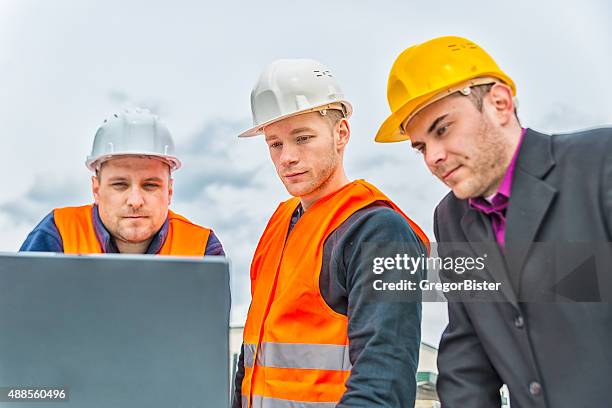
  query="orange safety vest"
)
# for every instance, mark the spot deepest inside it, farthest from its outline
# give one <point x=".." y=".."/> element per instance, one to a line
<point x="75" y="225"/>
<point x="295" y="345"/>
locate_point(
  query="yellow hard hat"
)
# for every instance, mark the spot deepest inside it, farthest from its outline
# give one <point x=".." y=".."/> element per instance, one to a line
<point x="426" y="72"/>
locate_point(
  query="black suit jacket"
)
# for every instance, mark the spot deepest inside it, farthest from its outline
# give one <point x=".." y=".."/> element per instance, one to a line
<point x="549" y="334"/>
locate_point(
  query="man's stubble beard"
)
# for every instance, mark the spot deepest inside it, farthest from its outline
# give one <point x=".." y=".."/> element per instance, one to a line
<point x="490" y="161"/>
<point x="326" y="172"/>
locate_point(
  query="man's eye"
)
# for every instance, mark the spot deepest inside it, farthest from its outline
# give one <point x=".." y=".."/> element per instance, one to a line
<point x="441" y="130"/>
<point x="151" y="186"/>
<point x="302" y="139"/>
<point x="275" y="145"/>
<point x="119" y="185"/>
<point x="420" y="149"/>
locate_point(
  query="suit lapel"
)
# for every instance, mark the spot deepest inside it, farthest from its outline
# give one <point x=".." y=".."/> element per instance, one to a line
<point x="479" y="232"/>
<point x="530" y="201"/>
<point x="530" y="197"/>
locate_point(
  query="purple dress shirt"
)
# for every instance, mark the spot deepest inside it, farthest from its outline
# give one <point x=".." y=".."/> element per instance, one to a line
<point x="495" y="207"/>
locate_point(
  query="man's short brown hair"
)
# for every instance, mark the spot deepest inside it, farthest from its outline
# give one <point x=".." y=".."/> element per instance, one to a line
<point x="334" y="116"/>
<point x="477" y="94"/>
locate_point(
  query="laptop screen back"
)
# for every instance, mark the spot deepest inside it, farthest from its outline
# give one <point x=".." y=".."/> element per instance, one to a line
<point x="116" y="330"/>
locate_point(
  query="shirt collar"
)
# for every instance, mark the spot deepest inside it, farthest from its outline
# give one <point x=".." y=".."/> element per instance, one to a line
<point x="108" y="243"/>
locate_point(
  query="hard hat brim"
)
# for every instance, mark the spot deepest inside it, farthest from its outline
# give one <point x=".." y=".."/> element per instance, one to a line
<point x="93" y="162"/>
<point x="259" y="129"/>
<point x="390" y="131"/>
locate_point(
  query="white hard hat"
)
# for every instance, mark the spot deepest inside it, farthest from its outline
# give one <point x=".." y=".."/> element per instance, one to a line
<point x="289" y="87"/>
<point x="134" y="132"/>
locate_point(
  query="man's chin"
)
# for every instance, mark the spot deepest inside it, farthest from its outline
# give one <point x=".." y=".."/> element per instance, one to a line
<point x="459" y="194"/>
<point x="299" y="189"/>
<point x="464" y="192"/>
<point x="136" y="237"/>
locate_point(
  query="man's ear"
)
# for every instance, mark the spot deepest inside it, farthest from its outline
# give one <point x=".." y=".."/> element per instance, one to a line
<point x="502" y="103"/>
<point x="95" y="188"/>
<point x="170" y="190"/>
<point x="342" y="133"/>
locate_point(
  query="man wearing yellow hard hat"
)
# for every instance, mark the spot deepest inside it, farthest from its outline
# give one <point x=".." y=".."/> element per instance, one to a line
<point x="547" y="333"/>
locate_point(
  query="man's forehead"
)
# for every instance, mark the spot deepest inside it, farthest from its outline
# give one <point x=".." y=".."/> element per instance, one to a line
<point x="427" y="116"/>
<point x="135" y="166"/>
<point x="294" y="124"/>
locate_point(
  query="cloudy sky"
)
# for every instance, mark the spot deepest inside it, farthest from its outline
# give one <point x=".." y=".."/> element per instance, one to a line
<point x="66" y="65"/>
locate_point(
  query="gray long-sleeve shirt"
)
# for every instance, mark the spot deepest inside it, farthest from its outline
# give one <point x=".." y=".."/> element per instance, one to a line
<point x="384" y="336"/>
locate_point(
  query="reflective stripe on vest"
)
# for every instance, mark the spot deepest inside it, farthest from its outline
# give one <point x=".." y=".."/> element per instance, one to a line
<point x="267" y="402"/>
<point x="294" y="355"/>
<point x="75" y="225"/>
<point x="295" y="344"/>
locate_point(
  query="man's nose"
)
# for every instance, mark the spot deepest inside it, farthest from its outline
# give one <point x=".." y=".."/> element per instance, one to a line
<point x="135" y="198"/>
<point x="289" y="155"/>
<point x="435" y="155"/>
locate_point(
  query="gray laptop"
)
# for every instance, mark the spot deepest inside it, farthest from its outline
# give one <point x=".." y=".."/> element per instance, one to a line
<point x="114" y="331"/>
